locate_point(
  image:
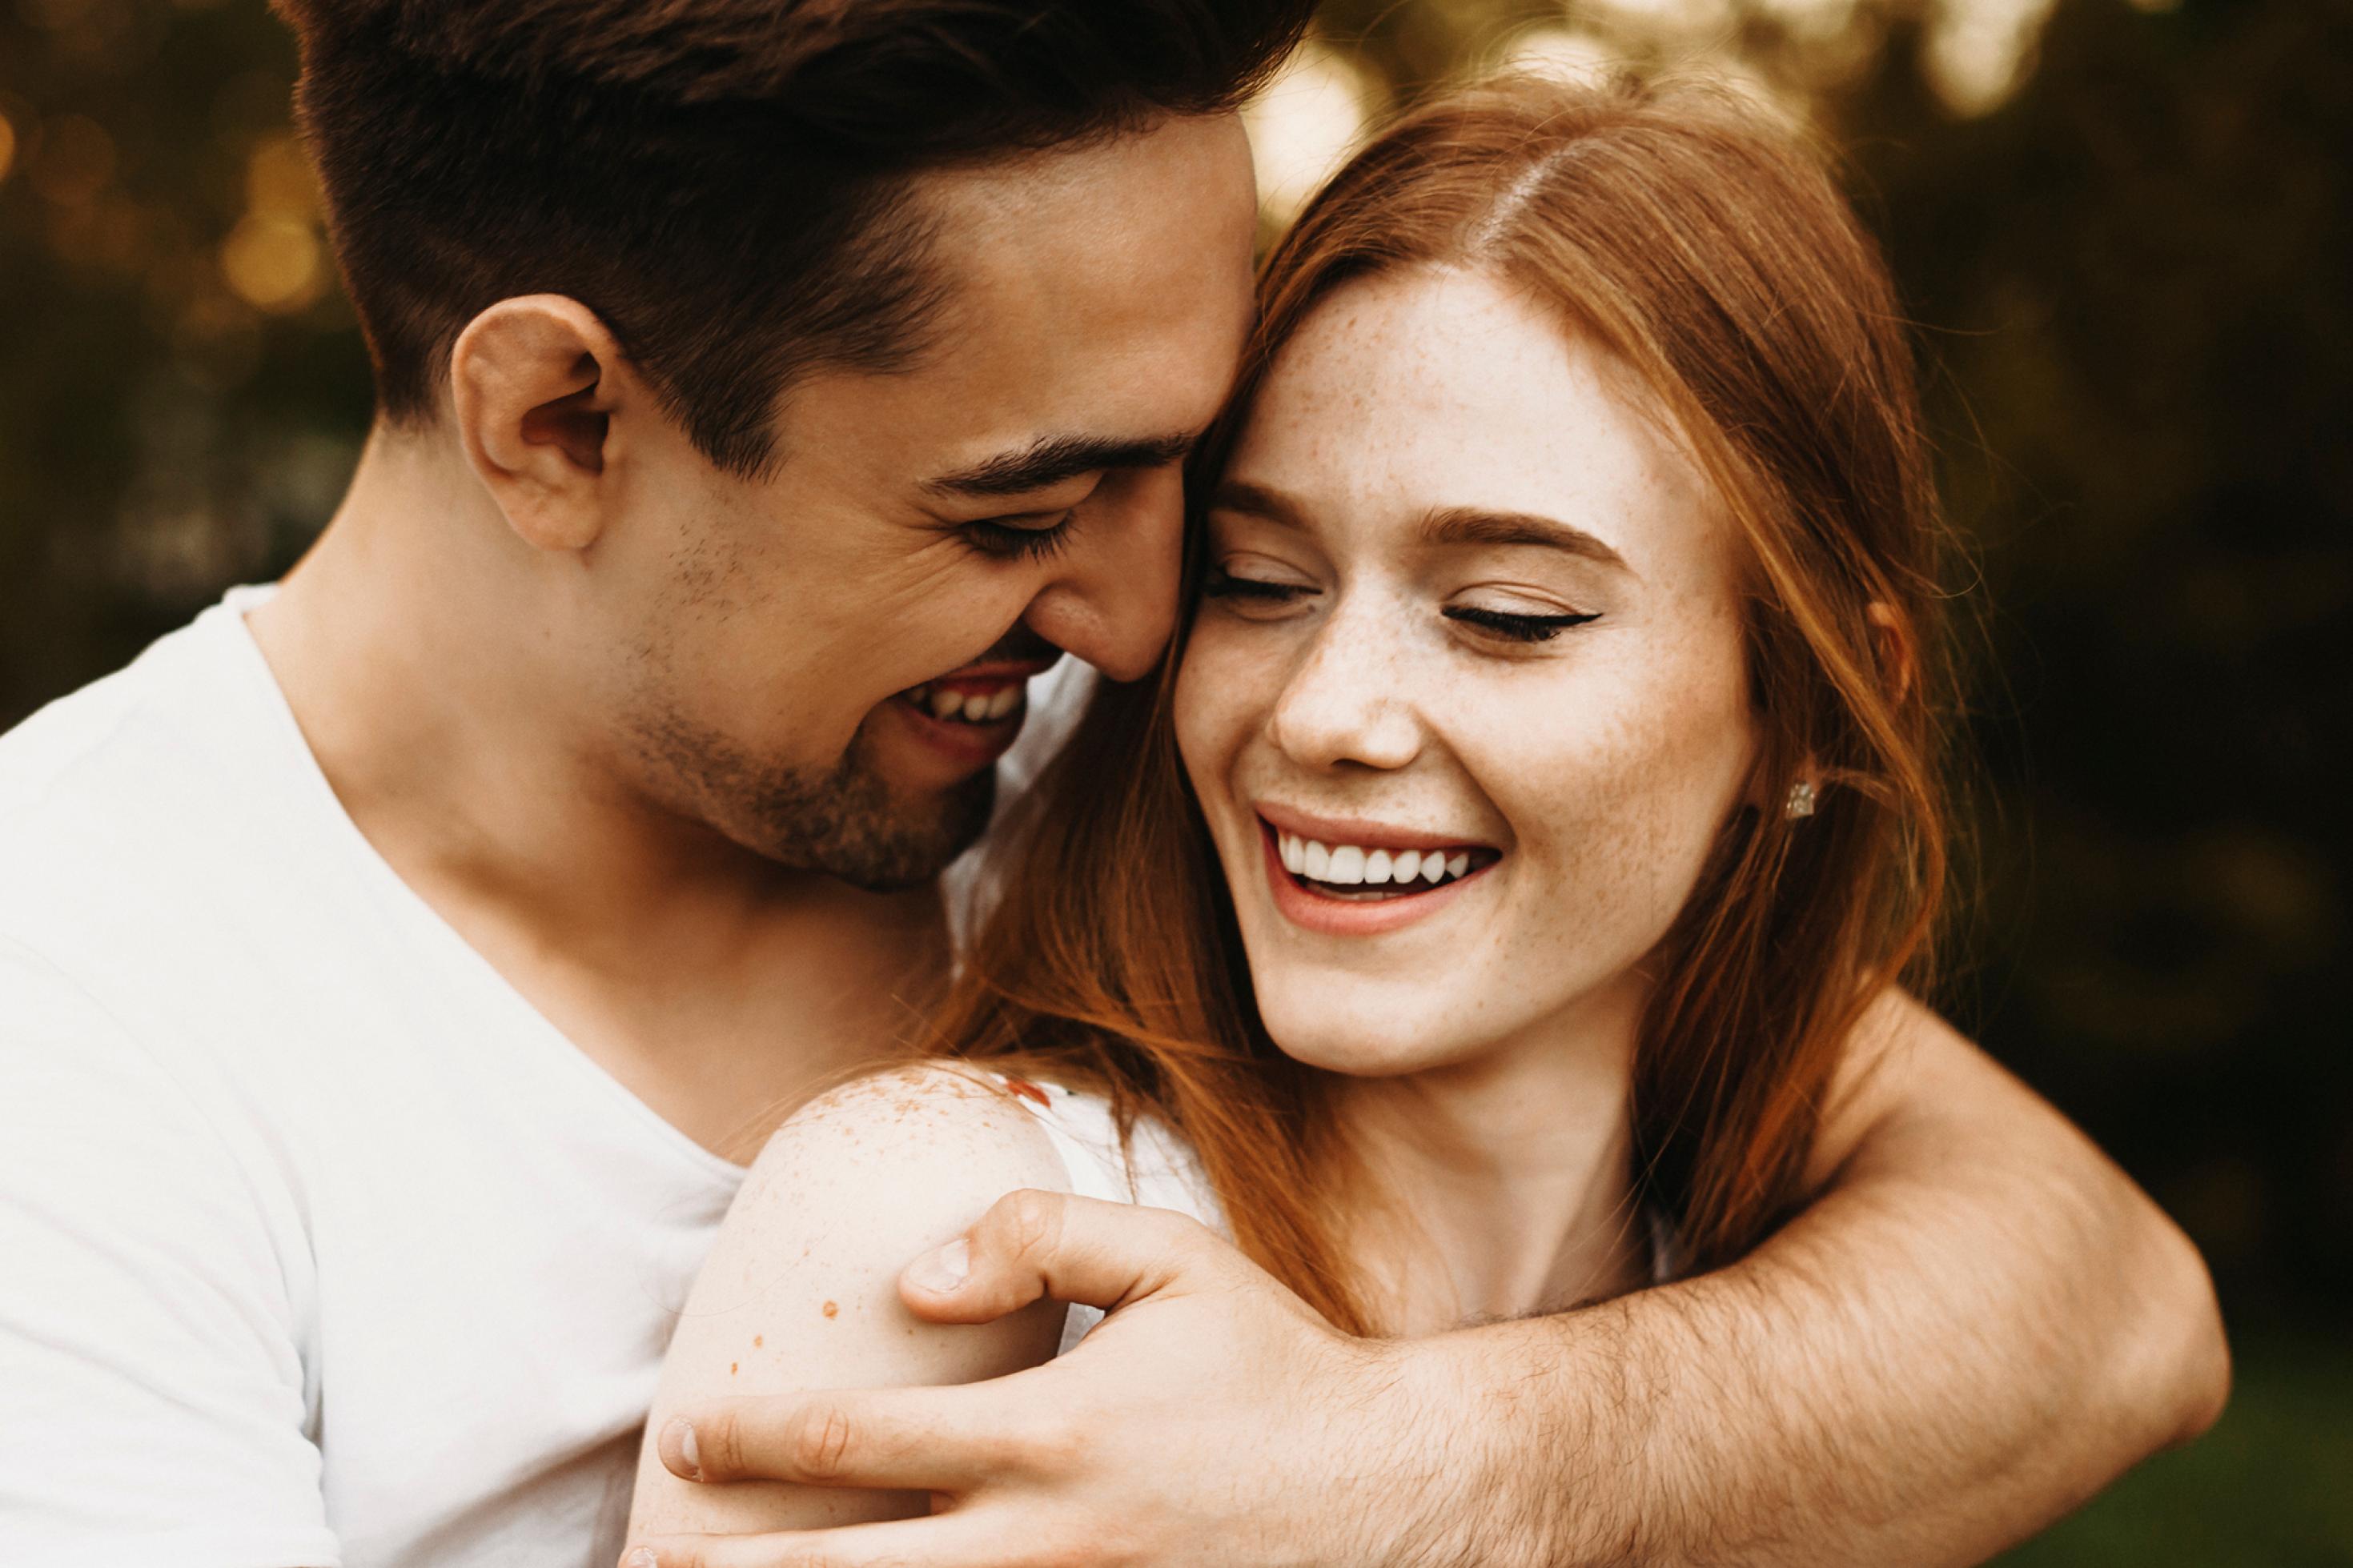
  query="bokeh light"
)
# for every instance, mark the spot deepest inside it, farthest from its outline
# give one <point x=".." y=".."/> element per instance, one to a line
<point x="1305" y="124"/>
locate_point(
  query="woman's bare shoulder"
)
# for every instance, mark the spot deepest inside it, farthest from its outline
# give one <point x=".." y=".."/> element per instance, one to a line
<point x="801" y="1287"/>
<point x="1900" y="1053"/>
<point x="914" y="1145"/>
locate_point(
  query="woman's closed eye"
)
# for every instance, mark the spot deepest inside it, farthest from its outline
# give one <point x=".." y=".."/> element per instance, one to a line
<point x="1248" y="587"/>
<point x="1517" y="625"/>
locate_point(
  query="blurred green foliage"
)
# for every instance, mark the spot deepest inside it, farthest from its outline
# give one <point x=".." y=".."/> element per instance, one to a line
<point x="2131" y="274"/>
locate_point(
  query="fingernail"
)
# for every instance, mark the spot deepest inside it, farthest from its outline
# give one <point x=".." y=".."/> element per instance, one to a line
<point x="642" y="1557"/>
<point x="677" y="1441"/>
<point x="945" y="1269"/>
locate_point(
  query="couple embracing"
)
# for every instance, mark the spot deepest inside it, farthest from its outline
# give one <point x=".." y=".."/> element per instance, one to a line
<point x="1444" y="997"/>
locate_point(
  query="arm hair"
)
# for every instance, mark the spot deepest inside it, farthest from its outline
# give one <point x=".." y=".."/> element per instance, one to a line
<point x="1980" y="1323"/>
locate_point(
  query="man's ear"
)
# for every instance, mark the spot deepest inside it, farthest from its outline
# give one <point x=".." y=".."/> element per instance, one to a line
<point x="535" y="382"/>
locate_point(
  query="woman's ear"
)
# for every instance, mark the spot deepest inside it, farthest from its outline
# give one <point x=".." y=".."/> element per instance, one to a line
<point x="535" y="382"/>
<point x="1899" y="664"/>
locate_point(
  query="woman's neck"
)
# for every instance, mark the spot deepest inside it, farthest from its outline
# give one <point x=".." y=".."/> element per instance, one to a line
<point x="1502" y="1186"/>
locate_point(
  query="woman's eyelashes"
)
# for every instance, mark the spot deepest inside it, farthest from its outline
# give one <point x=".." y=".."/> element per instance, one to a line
<point x="1221" y="583"/>
<point x="1249" y="592"/>
<point x="1516" y="626"/>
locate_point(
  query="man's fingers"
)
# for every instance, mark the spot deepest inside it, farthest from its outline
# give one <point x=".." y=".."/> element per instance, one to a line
<point x="1033" y="1244"/>
<point x="890" y="1439"/>
<point x="941" y="1540"/>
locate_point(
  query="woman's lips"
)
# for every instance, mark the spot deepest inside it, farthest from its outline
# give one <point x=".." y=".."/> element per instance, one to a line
<point x="1327" y="887"/>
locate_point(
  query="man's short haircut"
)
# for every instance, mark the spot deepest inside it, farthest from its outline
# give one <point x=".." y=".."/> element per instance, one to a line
<point x="721" y="180"/>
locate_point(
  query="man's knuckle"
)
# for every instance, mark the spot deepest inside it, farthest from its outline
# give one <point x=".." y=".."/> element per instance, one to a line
<point x="1033" y="1222"/>
<point x="820" y="1445"/>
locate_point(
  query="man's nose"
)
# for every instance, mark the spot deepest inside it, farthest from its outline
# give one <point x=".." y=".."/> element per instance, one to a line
<point x="1114" y="603"/>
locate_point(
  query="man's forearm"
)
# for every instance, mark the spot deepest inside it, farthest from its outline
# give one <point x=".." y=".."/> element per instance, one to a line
<point x="1961" y="1341"/>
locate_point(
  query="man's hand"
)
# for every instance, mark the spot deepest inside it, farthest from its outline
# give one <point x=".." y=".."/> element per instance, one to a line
<point x="1978" y="1325"/>
<point x="1213" y="1418"/>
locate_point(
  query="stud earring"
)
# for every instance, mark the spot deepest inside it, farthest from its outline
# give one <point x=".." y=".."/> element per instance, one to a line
<point x="1802" y="796"/>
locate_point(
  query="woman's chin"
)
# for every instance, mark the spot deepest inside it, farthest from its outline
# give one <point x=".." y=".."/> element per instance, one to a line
<point x="1341" y="1034"/>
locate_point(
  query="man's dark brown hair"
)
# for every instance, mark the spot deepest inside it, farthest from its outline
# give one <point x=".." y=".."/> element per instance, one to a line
<point x="721" y="180"/>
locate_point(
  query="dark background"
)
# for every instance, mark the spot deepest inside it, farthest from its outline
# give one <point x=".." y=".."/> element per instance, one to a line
<point x="2128" y="251"/>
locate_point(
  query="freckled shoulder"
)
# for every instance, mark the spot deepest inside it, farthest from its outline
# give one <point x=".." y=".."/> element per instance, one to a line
<point x="919" y="1133"/>
<point x="800" y="1290"/>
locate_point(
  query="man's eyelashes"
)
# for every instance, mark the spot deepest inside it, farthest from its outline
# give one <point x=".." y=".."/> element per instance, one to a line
<point x="1002" y="540"/>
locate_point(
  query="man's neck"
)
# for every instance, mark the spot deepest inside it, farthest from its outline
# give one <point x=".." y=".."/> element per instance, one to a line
<point x="413" y="645"/>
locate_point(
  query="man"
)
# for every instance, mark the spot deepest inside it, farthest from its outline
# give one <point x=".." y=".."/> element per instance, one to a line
<point x="768" y="391"/>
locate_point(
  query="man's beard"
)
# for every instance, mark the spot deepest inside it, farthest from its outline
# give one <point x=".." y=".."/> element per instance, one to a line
<point x="844" y="821"/>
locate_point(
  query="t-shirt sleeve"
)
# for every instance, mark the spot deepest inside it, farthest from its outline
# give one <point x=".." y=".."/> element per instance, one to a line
<point x="152" y="1404"/>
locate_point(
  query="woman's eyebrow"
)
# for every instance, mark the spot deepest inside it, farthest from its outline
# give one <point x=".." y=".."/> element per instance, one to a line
<point x="1257" y="501"/>
<point x="1460" y="525"/>
<point x="1446" y="526"/>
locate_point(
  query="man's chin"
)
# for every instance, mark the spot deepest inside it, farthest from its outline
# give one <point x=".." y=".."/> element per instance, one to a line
<point x="884" y="843"/>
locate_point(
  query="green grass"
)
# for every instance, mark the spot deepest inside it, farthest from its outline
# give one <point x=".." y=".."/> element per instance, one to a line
<point x="2269" y="1487"/>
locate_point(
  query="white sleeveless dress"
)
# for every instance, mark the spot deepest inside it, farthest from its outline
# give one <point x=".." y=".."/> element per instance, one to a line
<point x="1156" y="1169"/>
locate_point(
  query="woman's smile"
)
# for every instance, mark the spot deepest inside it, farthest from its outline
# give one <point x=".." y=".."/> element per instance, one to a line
<point x="1354" y="878"/>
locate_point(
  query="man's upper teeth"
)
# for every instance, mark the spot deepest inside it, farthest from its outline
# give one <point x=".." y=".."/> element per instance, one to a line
<point x="972" y="707"/>
<point x="1351" y="864"/>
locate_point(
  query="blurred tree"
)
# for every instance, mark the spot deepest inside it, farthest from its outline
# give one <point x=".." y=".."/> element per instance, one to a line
<point x="182" y="389"/>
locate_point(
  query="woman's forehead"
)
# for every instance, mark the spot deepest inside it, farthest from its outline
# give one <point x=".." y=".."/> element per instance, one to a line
<point x="1431" y="390"/>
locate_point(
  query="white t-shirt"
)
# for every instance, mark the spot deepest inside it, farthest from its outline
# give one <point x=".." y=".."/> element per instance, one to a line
<point x="319" y="1245"/>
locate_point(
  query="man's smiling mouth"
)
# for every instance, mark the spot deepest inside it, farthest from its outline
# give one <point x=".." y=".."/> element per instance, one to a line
<point x="974" y="701"/>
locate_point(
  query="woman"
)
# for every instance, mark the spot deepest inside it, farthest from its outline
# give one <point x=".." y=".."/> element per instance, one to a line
<point x="1528" y="840"/>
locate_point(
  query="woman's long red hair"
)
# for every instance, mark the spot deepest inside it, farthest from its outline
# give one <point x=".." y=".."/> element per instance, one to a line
<point x="1703" y="244"/>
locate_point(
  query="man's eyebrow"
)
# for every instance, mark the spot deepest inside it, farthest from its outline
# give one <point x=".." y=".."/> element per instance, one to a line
<point x="1461" y="525"/>
<point x="1048" y="462"/>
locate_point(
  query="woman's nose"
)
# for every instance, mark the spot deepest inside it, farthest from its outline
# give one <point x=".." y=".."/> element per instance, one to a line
<point x="1347" y="702"/>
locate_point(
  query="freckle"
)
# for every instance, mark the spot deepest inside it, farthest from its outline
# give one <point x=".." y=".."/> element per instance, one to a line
<point x="757" y="1341"/>
<point x="730" y="1369"/>
<point x="832" y="1308"/>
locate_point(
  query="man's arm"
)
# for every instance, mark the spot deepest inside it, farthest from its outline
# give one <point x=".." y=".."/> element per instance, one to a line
<point x="1978" y="1325"/>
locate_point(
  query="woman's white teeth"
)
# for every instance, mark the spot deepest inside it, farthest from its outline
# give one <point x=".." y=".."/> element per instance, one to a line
<point x="966" y="708"/>
<point x="1351" y="865"/>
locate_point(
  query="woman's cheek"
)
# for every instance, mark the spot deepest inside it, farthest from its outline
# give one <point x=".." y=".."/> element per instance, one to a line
<point x="1215" y="693"/>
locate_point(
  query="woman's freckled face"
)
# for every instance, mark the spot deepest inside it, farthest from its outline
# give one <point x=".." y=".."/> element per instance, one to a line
<point x="1377" y="542"/>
